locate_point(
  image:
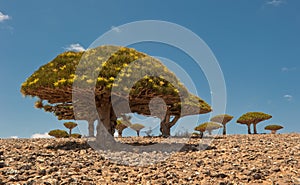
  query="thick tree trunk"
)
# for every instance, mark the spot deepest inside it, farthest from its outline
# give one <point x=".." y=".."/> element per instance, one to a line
<point x="224" y="129"/>
<point x="91" y="128"/>
<point x="166" y="125"/>
<point x="138" y="133"/>
<point x="254" y="128"/>
<point x="105" y="128"/>
<point x="249" y="129"/>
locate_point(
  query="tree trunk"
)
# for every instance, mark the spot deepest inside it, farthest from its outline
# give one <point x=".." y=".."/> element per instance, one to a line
<point x="254" y="128"/>
<point x="70" y="132"/>
<point x="164" y="128"/>
<point x="120" y="133"/>
<point x="224" y="129"/>
<point x="91" y="128"/>
<point x="249" y="129"/>
<point x="166" y="125"/>
<point x="273" y="131"/>
<point x="105" y="128"/>
<point x="209" y="132"/>
<point x="138" y="133"/>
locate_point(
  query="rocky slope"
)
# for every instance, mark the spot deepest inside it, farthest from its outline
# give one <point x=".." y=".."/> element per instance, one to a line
<point x="234" y="159"/>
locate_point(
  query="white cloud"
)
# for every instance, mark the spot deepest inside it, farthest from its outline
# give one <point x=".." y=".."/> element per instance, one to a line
<point x="116" y="29"/>
<point x="288" y="97"/>
<point x="38" y="135"/>
<point x="116" y="134"/>
<point x="4" y="17"/>
<point x="14" y="137"/>
<point x="287" y="69"/>
<point x="275" y="2"/>
<point x="75" y="47"/>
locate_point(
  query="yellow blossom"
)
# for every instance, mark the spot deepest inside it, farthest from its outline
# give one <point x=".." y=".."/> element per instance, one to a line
<point x="63" y="67"/>
<point x="90" y="81"/>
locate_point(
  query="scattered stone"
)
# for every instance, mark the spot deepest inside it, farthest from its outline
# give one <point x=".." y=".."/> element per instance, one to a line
<point x="234" y="159"/>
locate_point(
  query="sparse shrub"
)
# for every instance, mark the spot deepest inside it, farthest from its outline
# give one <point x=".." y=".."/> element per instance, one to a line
<point x="273" y="128"/>
<point x="58" y="133"/>
<point x="75" y="135"/>
<point x="148" y="132"/>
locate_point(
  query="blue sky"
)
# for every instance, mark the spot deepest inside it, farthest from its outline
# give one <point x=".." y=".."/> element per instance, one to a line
<point x="256" y="42"/>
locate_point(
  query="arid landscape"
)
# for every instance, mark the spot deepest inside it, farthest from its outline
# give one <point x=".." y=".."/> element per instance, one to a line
<point x="233" y="159"/>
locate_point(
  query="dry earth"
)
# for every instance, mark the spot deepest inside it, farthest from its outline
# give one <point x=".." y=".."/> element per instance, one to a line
<point x="235" y="159"/>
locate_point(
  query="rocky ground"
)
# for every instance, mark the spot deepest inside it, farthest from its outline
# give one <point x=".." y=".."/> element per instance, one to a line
<point x="235" y="159"/>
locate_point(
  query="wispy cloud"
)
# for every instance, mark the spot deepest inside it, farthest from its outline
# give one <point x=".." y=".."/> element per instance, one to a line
<point x="75" y="47"/>
<point x="116" y="29"/>
<point x="288" y="69"/>
<point x="4" y="17"/>
<point x="38" y="135"/>
<point x="14" y="137"/>
<point x="288" y="97"/>
<point x="275" y="2"/>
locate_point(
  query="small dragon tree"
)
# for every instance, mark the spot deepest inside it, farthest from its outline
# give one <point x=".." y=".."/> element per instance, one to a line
<point x="208" y="126"/>
<point x="273" y="128"/>
<point x="70" y="126"/>
<point x="253" y="118"/>
<point x="137" y="127"/>
<point x="223" y="119"/>
<point x="58" y="133"/>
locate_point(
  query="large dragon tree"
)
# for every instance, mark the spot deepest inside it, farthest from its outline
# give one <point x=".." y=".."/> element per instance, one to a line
<point x="104" y="82"/>
<point x="253" y="118"/>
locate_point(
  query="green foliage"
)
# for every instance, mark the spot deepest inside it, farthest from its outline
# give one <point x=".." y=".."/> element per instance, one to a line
<point x="273" y="128"/>
<point x="58" y="133"/>
<point x="222" y="118"/>
<point x="75" y="135"/>
<point x="208" y="126"/>
<point x="253" y="118"/>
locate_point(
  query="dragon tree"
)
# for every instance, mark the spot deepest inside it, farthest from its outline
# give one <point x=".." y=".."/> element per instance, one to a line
<point x="223" y="119"/>
<point x="207" y="126"/>
<point x="253" y="118"/>
<point x="273" y="128"/>
<point x="110" y="78"/>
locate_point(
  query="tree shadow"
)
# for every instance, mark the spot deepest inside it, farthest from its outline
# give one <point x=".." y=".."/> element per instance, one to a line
<point x="130" y="146"/>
